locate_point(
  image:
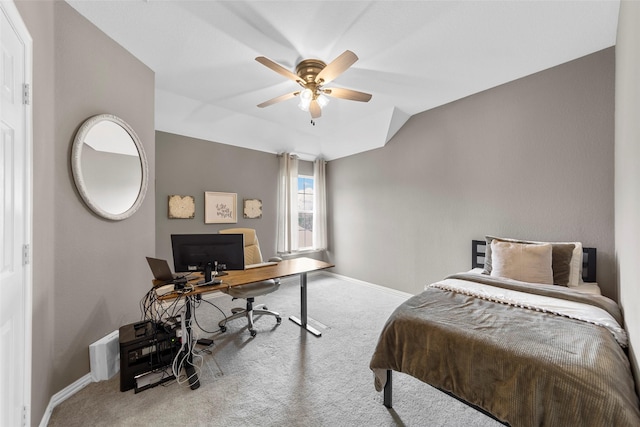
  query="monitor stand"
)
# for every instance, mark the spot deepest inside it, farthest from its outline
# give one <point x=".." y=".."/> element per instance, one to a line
<point x="210" y="272"/>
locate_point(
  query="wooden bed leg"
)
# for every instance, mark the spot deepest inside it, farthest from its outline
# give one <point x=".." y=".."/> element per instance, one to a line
<point x="388" y="388"/>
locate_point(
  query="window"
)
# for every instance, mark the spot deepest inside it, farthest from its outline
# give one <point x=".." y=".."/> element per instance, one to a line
<point x="305" y="211"/>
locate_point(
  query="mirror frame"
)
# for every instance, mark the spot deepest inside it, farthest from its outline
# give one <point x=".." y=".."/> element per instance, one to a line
<point x="76" y="166"/>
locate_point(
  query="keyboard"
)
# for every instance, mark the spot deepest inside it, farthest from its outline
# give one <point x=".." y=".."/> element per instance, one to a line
<point x="260" y="264"/>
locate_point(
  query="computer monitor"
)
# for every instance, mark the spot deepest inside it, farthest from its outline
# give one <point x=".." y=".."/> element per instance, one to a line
<point x="207" y="253"/>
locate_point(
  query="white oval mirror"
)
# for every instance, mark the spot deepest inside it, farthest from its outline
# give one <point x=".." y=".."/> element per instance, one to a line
<point x="109" y="167"/>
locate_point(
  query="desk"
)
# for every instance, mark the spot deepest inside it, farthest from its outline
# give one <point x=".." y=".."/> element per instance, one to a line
<point x="285" y="268"/>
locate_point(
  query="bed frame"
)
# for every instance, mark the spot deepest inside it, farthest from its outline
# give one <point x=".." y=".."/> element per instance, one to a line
<point x="479" y="247"/>
<point x="388" y="398"/>
<point x="478" y="250"/>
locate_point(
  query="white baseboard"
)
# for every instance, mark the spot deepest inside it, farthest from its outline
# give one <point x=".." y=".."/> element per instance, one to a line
<point x="63" y="395"/>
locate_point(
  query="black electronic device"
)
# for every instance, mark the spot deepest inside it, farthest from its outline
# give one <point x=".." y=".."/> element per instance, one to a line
<point x="205" y="342"/>
<point x="145" y="348"/>
<point x="208" y="253"/>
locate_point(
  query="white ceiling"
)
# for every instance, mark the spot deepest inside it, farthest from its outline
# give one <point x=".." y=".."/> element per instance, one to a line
<point x="414" y="56"/>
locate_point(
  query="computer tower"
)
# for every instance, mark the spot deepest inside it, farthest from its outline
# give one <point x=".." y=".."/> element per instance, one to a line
<point x="145" y="347"/>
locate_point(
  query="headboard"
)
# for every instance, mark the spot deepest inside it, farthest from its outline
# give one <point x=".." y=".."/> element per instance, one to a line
<point x="479" y="247"/>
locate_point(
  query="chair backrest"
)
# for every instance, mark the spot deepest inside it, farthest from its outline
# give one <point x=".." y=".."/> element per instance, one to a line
<point x="252" y="254"/>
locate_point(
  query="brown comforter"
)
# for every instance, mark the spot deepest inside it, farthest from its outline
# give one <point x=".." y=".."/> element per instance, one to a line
<point x="525" y="367"/>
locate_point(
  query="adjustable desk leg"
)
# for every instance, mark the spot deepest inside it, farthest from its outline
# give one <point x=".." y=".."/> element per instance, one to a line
<point x="194" y="382"/>
<point x="302" y="322"/>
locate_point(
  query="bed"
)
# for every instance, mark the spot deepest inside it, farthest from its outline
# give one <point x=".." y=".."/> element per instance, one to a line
<point x="520" y="346"/>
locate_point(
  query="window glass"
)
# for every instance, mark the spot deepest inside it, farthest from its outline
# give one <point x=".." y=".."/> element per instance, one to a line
<point x="305" y="211"/>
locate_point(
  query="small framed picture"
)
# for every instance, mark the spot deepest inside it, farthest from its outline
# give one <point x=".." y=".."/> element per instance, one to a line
<point x="182" y="207"/>
<point x="220" y="208"/>
<point x="252" y="208"/>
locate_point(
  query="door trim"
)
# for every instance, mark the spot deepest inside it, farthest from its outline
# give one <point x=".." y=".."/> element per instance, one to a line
<point x="14" y="17"/>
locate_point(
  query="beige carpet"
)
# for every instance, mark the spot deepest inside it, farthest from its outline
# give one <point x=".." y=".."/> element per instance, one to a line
<point x="284" y="376"/>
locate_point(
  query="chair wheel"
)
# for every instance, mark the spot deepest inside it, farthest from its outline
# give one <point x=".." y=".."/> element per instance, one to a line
<point x="253" y="332"/>
<point x="223" y="329"/>
<point x="278" y="320"/>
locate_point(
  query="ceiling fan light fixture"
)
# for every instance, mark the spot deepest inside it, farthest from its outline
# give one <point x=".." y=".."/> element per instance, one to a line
<point x="312" y="75"/>
<point x="306" y="96"/>
<point x="323" y="100"/>
<point x="304" y="106"/>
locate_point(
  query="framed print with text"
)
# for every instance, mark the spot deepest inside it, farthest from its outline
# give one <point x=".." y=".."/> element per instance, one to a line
<point x="220" y="208"/>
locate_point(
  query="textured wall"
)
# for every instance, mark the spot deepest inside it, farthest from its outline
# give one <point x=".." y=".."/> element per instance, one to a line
<point x="627" y="153"/>
<point x="531" y="159"/>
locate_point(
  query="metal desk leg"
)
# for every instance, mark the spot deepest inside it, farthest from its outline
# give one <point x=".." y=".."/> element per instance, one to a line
<point x="192" y="375"/>
<point x="302" y="322"/>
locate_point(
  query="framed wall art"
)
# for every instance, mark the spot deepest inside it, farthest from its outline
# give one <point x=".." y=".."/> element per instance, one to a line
<point x="182" y="207"/>
<point x="252" y="208"/>
<point x="220" y="208"/>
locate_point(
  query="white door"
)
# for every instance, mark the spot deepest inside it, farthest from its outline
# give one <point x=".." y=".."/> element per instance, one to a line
<point x="15" y="216"/>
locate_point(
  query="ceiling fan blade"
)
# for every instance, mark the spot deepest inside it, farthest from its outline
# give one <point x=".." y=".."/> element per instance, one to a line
<point x="315" y="110"/>
<point x="278" y="99"/>
<point x="352" y="95"/>
<point x="279" y="69"/>
<point x="336" y="67"/>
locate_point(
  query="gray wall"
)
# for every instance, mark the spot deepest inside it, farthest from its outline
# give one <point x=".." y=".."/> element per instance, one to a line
<point x="531" y="159"/>
<point x="189" y="167"/>
<point x="627" y="187"/>
<point x="89" y="273"/>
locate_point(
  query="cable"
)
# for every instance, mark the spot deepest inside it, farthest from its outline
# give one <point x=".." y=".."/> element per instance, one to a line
<point x="196" y="319"/>
<point x="163" y="311"/>
<point x="187" y="350"/>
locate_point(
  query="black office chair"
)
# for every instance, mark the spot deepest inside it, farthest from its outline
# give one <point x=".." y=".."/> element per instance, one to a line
<point x="252" y="255"/>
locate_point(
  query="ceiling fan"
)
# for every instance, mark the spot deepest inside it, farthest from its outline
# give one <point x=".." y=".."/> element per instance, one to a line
<point x="312" y="75"/>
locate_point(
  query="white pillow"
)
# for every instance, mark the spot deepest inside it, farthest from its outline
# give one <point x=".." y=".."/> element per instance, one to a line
<point x="525" y="262"/>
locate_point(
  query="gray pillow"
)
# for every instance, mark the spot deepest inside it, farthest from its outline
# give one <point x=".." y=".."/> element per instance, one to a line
<point x="561" y="254"/>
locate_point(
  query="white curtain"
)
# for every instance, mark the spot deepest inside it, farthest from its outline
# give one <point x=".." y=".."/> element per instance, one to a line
<point x="320" y="203"/>
<point x="287" y="227"/>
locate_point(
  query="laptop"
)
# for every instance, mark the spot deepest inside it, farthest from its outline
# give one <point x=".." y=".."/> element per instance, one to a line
<point x="161" y="270"/>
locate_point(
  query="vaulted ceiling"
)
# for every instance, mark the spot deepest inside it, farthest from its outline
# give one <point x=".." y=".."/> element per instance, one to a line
<point x="413" y="56"/>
